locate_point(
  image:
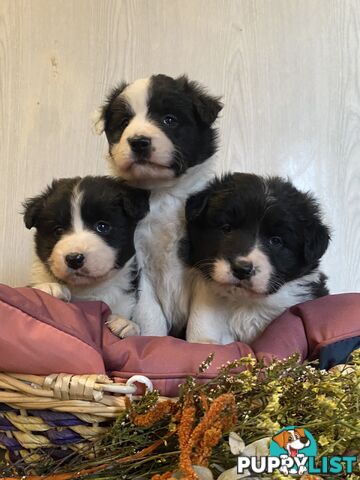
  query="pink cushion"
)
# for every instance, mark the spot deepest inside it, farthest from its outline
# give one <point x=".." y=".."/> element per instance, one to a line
<point x="42" y="335"/>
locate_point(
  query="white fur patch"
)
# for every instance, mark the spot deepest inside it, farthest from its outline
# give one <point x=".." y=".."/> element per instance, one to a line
<point x="114" y="291"/>
<point x="222" y="272"/>
<point x="76" y="219"/>
<point x="122" y="158"/>
<point x="137" y="95"/>
<point x="165" y="284"/>
<point x="99" y="258"/>
<point x="257" y="284"/>
<point x="55" y="290"/>
<point x="263" y="270"/>
<point x="239" y="317"/>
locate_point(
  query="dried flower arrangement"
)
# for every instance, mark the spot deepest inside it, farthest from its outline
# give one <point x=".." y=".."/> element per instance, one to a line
<point x="252" y="400"/>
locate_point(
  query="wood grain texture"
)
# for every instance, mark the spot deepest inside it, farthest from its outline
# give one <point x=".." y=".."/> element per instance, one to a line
<point x="289" y="72"/>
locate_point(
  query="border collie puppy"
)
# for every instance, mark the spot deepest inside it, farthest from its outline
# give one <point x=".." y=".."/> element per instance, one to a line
<point x="255" y="244"/>
<point x="161" y="136"/>
<point x="85" y="243"/>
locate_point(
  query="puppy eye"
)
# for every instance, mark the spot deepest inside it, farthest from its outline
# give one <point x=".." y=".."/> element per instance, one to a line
<point x="170" y="120"/>
<point x="102" y="227"/>
<point x="58" y="231"/>
<point x="226" y="228"/>
<point x="125" y="123"/>
<point x="275" y="241"/>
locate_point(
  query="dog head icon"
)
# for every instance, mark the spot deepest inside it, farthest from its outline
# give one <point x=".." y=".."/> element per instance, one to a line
<point x="292" y="440"/>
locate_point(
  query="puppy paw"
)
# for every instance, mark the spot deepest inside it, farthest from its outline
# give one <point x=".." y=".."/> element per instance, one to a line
<point x="122" y="327"/>
<point x="55" y="289"/>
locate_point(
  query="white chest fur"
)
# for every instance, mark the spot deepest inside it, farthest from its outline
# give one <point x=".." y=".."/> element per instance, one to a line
<point x="220" y="315"/>
<point x="115" y="291"/>
<point x="164" y="287"/>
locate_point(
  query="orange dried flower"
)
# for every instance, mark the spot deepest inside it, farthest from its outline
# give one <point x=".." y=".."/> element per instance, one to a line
<point x="211" y="422"/>
<point x="164" y="476"/>
<point x="204" y="402"/>
<point x="208" y="442"/>
<point x="157" y="413"/>
<point x="185" y="428"/>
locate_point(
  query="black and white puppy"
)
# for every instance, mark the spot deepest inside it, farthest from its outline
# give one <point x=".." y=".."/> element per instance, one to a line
<point x="84" y="243"/>
<point x="255" y="244"/>
<point x="161" y="136"/>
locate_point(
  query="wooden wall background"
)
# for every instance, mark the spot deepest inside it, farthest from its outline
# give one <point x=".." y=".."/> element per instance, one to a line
<point x="288" y="70"/>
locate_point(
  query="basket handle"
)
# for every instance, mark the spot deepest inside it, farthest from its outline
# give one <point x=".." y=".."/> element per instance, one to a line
<point x="129" y="388"/>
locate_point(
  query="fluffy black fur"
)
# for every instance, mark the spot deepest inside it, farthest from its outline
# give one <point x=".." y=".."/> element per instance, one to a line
<point x="104" y="199"/>
<point x="192" y="109"/>
<point x="238" y="211"/>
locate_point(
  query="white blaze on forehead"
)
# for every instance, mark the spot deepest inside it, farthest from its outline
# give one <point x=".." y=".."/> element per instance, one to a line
<point x="76" y="219"/>
<point x="100" y="258"/>
<point x="123" y="160"/>
<point x="137" y="94"/>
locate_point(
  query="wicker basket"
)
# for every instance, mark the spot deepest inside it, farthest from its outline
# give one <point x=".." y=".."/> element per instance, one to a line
<point x="53" y="416"/>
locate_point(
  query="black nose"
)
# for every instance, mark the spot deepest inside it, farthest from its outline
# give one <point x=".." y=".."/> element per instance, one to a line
<point x="304" y="440"/>
<point x="75" y="260"/>
<point x="243" y="270"/>
<point x="140" y="144"/>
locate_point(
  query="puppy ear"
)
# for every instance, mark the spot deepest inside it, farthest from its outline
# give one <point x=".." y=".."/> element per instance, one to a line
<point x="316" y="241"/>
<point x="98" y="121"/>
<point x="136" y="203"/>
<point x="206" y="106"/>
<point x="196" y="205"/>
<point x="33" y="206"/>
<point x="32" y="209"/>
<point x="300" y="431"/>
<point x="280" y="439"/>
<point x="98" y="117"/>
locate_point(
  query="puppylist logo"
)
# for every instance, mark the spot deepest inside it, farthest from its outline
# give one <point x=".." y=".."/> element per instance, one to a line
<point x="293" y="450"/>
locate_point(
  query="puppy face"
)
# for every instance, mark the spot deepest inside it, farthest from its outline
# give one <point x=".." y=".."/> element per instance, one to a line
<point x="292" y="440"/>
<point x="254" y="233"/>
<point x="157" y="128"/>
<point x="85" y="227"/>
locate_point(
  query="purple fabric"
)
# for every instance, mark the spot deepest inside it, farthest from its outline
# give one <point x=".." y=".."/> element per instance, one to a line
<point x="9" y="443"/>
<point x="56" y="419"/>
<point x="63" y="437"/>
<point x="3" y="406"/>
<point x="6" y="425"/>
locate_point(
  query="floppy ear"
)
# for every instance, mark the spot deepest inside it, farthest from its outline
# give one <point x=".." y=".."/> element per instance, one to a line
<point x="206" y="106"/>
<point x="98" y="120"/>
<point x="316" y="241"/>
<point x="98" y="117"/>
<point x="281" y="439"/>
<point x="32" y="208"/>
<point x="136" y="203"/>
<point x="196" y="205"/>
<point x="300" y="431"/>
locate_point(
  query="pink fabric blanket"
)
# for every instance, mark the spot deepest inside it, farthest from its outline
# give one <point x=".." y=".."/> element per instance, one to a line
<point x="41" y="335"/>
